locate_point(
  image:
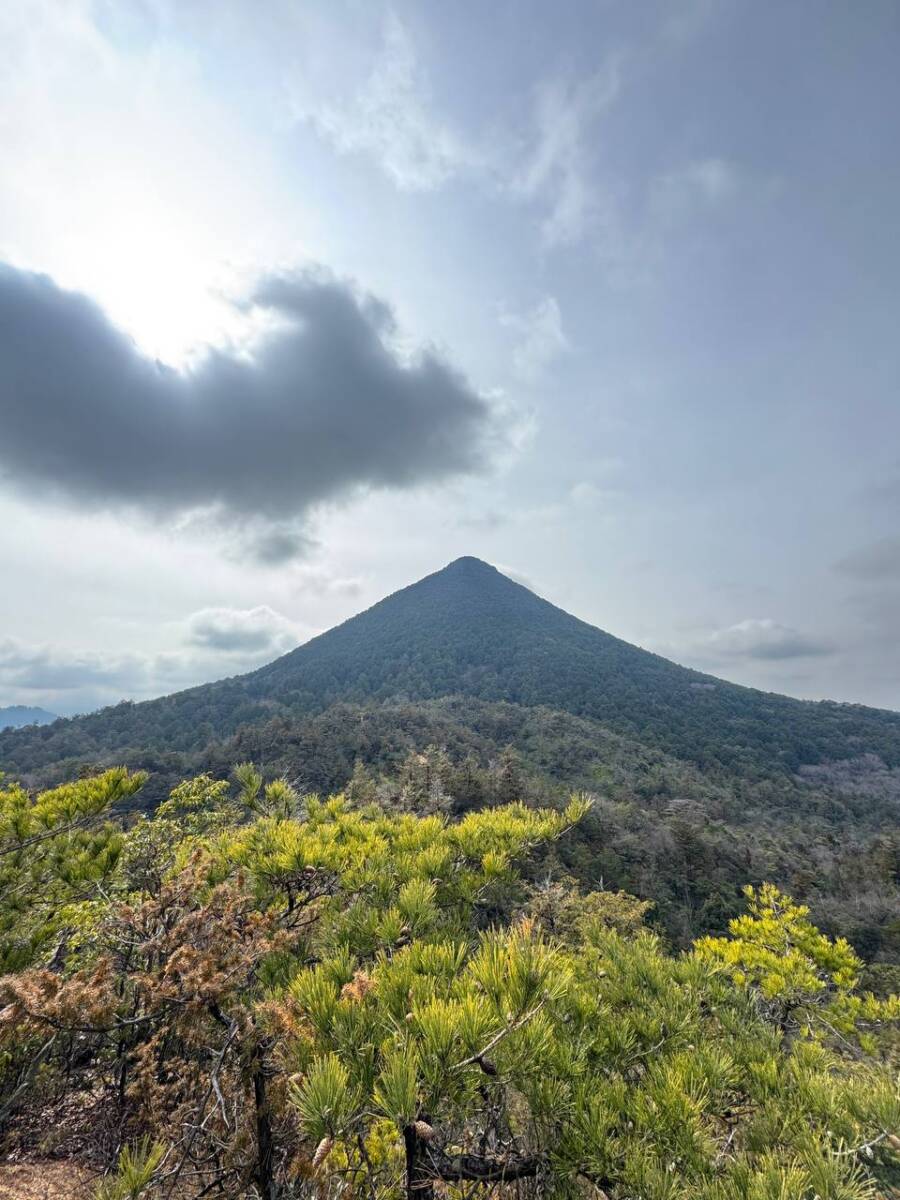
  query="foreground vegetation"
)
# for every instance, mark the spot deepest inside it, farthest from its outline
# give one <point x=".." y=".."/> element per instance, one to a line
<point x="688" y="839"/>
<point x="254" y="992"/>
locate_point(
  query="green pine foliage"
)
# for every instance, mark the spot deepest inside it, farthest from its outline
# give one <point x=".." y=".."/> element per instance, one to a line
<point x="270" y="994"/>
<point x="54" y="848"/>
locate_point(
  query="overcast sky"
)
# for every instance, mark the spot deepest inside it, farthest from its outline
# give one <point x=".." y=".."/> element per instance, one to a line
<point x="301" y="300"/>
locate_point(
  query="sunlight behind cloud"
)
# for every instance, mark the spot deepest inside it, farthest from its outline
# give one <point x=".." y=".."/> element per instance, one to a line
<point x="134" y="181"/>
<point x="156" y="274"/>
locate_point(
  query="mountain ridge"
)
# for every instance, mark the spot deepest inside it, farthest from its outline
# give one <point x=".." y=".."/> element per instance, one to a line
<point x="15" y="716"/>
<point x="469" y="630"/>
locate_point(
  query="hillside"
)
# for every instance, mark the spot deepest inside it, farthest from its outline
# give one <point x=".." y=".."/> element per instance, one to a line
<point x="470" y="631"/>
<point x="14" y="716"/>
<point x="704" y="786"/>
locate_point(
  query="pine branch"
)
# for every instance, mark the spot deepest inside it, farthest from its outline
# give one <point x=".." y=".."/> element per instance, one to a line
<point x="27" y="1076"/>
<point x="511" y="1028"/>
<point x="473" y="1168"/>
<point x="865" y="1147"/>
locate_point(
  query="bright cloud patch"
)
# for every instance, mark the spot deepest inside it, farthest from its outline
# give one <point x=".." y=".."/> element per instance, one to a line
<point x="390" y="121"/>
<point x="210" y="643"/>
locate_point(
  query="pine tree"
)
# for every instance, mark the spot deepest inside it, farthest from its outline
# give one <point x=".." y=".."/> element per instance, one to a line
<point x="55" y="848"/>
<point x="328" y="1000"/>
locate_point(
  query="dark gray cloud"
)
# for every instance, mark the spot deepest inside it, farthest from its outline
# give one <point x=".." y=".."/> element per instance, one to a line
<point x="758" y="638"/>
<point x="878" y="561"/>
<point x="278" y="546"/>
<point x="764" y="638"/>
<point x="258" y="630"/>
<point x="322" y="408"/>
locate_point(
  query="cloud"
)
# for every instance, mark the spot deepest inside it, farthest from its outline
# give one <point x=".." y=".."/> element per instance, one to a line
<point x="486" y="520"/>
<point x="607" y="484"/>
<point x="259" y="630"/>
<point x="516" y="576"/>
<point x="322" y="407"/>
<point x="585" y="494"/>
<point x="689" y="19"/>
<point x="555" y="174"/>
<point x="276" y="546"/>
<point x="50" y="668"/>
<point x="762" y="638"/>
<point x="390" y="120"/>
<point x="541" y="337"/>
<point x="878" y="561"/>
<point x="211" y="643"/>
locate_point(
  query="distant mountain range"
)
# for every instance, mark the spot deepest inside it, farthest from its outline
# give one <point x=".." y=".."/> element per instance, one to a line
<point x="702" y="785"/>
<point x="14" y="716"/>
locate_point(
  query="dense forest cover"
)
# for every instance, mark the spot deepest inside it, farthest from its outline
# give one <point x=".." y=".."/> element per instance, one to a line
<point x="255" y="992"/>
<point x="469" y="631"/>
<point x="467" y="690"/>
<point x="687" y="839"/>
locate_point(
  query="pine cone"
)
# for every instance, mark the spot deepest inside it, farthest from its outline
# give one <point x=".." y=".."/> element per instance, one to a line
<point x="322" y="1151"/>
<point x="424" y="1131"/>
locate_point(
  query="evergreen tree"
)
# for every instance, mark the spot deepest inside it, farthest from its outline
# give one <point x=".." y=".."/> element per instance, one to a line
<point x="282" y="998"/>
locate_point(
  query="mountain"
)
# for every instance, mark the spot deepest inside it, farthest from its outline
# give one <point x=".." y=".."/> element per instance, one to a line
<point x="469" y="631"/>
<point x="16" y="715"/>
<point x="466" y="689"/>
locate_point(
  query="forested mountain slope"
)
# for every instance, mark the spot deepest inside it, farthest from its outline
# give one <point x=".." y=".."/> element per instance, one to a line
<point x="468" y="630"/>
<point x="702" y="786"/>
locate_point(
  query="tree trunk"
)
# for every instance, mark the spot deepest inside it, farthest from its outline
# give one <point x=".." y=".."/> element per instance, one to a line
<point x="425" y="1163"/>
<point x="419" y="1179"/>
<point x="265" y="1147"/>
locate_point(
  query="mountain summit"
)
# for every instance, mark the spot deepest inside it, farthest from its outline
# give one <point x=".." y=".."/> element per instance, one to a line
<point x="466" y="630"/>
<point x="469" y="631"/>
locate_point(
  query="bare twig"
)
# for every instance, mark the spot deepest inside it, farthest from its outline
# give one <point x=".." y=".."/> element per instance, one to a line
<point x="511" y="1028"/>
<point x="209" y="1092"/>
<point x="27" y="1077"/>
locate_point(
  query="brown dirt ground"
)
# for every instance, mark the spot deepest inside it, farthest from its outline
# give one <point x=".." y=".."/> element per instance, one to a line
<point x="45" y="1181"/>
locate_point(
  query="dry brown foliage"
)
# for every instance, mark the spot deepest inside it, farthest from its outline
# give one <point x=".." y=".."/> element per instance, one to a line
<point x="157" y="1027"/>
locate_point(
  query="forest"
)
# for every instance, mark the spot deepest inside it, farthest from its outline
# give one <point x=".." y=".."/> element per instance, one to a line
<point x="701" y="786"/>
<point x="685" y="838"/>
<point x="470" y="632"/>
<point x="255" y="991"/>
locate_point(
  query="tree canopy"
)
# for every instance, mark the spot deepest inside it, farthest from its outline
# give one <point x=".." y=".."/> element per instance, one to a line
<point x="257" y="992"/>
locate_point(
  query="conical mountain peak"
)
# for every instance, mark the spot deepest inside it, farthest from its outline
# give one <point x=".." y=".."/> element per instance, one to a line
<point x="465" y="577"/>
<point x="472" y="571"/>
<point x="468" y="631"/>
<point x="469" y="565"/>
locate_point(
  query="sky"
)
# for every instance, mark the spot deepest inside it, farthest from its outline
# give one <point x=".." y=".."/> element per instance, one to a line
<point x="301" y="301"/>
